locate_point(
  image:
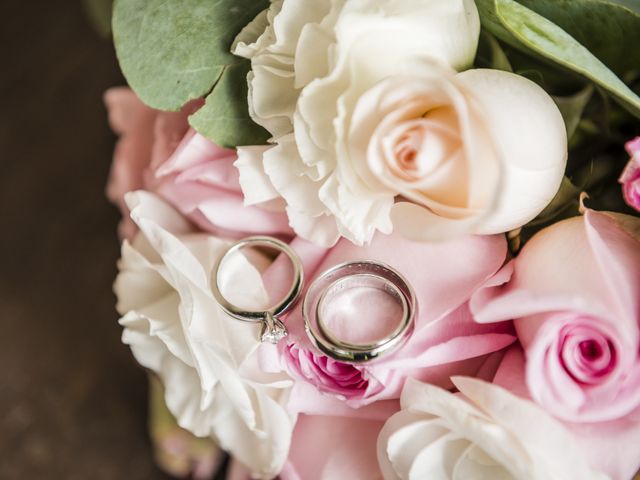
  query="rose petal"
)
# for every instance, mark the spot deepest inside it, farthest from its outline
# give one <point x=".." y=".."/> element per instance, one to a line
<point x="342" y="448"/>
<point x="518" y="113"/>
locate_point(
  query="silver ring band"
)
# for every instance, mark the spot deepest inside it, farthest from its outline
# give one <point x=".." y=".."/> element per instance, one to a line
<point x="353" y="275"/>
<point x="272" y="328"/>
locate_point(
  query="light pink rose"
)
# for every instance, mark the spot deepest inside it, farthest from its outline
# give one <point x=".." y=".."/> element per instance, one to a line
<point x="611" y="447"/>
<point x="630" y="178"/>
<point x="574" y="293"/>
<point x="446" y="340"/>
<point x="157" y="151"/>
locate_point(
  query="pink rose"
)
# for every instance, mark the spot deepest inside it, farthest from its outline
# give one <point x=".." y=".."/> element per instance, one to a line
<point x="157" y="151"/>
<point x="574" y="292"/>
<point x="446" y="340"/>
<point x="611" y="447"/>
<point x="630" y="178"/>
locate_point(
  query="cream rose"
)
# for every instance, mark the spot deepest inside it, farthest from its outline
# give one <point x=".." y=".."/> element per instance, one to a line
<point x="206" y="360"/>
<point x="490" y="434"/>
<point x="311" y="61"/>
<point x="373" y="129"/>
<point x="440" y="153"/>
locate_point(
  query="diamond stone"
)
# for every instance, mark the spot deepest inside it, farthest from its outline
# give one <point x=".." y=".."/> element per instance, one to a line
<point x="273" y="330"/>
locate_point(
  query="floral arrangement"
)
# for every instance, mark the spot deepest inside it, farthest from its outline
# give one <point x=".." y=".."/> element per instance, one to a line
<point x="470" y="155"/>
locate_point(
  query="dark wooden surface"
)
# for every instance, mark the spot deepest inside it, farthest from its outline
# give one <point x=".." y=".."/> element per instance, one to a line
<point x="72" y="401"/>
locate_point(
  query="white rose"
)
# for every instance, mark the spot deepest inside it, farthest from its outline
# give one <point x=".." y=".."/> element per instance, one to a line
<point x="311" y="62"/>
<point x="482" y="151"/>
<point x="491" y="435"/>
<point x="365" y="111"/>
<point x="206" y="360"/>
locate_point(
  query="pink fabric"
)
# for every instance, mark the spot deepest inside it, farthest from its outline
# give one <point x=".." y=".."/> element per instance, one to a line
<point x="446" y="340"/>
<point x="157" y="151"/>
<point x="574" y="292"/>
<point x="630" y="178"/>
<point x="612" y="447"/>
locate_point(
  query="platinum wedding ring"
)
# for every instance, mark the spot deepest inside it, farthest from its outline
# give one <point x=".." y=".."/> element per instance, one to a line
<point x="353" y="275"/>
<point x="322" y="294"/>
<point x="273" y="330"/>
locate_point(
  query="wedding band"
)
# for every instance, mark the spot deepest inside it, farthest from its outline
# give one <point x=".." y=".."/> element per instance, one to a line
<point x="352" y="275"/>
<point x="273" y="330"/>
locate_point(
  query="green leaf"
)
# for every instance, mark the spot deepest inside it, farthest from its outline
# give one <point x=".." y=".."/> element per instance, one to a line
<point x="496" y="58"/>
<point x="172" y="51"/>
<point x="572" y="106"/>
<point x="604" y="27"/>
<point x="554" y="79"/>
<point x="222" y="118"/>
<point x="528" y="31"/>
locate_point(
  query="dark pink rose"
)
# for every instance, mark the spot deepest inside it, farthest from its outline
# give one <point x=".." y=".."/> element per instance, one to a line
<point x="630" y="178"/>
<point x="158" y="152"/>
<point x="329" y="375"/>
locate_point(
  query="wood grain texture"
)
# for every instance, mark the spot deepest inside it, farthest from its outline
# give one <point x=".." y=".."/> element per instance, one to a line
<point x="72" y="400"/>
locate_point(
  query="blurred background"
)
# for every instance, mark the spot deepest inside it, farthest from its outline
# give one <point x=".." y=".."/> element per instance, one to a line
<point x="72" y="400"/>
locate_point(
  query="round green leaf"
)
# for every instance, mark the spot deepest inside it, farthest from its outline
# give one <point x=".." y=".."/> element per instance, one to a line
<point x="225" y="120"/>
<point x="172" y="51"/>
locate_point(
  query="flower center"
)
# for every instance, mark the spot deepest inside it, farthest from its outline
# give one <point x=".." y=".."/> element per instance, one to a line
<point x="586" y="353"/>
<point x="590" y="350"/>
<point x="418" y="147"/>
<point x="405" y="153"/>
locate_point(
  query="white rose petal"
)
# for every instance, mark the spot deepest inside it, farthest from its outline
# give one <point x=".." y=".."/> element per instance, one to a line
<point x="206" y="360"/>
<point x="529" y="130"/>
<point x="255" y="183"/>
<point x="491" y="435"/>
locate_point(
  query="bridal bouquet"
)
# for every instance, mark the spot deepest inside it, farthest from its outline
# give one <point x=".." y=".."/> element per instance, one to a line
<point x="390" y="239"/>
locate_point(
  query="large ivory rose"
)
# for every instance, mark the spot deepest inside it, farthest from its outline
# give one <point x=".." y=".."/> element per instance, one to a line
<point x="373" y="129"/>
<point x="490" y="434"/>
<point x="206" y="360"/>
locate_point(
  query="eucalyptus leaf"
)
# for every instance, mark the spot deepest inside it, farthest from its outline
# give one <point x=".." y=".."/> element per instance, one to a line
<point x="572" y="106"/>
<point x="526" y="30"/>
<point x="225" y="120"/>
<point x="173" y="51"/>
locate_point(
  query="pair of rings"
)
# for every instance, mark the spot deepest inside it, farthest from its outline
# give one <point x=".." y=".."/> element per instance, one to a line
<point x="320" y="295"/>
